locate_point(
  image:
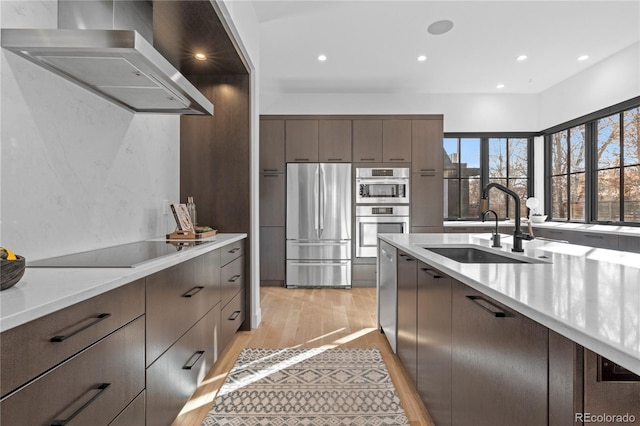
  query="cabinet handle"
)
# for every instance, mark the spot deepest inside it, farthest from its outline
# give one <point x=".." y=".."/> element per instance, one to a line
<point x="555" y="232"/>
<point x="193" y="291"/>
<point x="367" y="159"/>
<point x="100" y="388"/>
<point x="396" y="159"/>
<point x="486" y="305"/>
<point x="234" y="250"/>
<point x="301" y="159"/>
<point x="193" y="360"/>
<point x="427" y="170"/>
<point x="269" y="170"/>
<point x="234" y="315"/>
<point x="593" y="236"/>
<point x="96" y="320"/>
<point x="406" y="257"/>
<point x="234" y="278"/>
<point x="427" y="174"/>
<point x="431" y="272"/>
<point x="265" y="175"/>
<point x="334" y="159"/>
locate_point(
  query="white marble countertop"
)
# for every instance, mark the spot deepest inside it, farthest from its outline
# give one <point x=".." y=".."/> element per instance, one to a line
<point x="589" y="295"/>
<point x="42" y="291"/>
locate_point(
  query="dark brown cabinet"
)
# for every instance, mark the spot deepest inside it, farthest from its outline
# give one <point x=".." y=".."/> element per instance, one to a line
<point x="272" y="157"/>
<point x="367" y="140"/>
<point x="434" y="343"/>
<point x="272" y="255"/>
<point x="407" y="312"/>
<point x="566" y="362"/>
<point x="91" y="388"/>
<point x="629" y="243"/>
<point x="396" y="140"/>
<point x="272" y="199"/>
<point x="499" y="363"/>
<point x="426" y="145"/>
<point x="301" y="141"/>
<point x="231" y="318"/>
<point x="335" y="141"/>
<point x="427" y="204"/>
<point x="174" y="376"/>
<point x="35" y="347"/>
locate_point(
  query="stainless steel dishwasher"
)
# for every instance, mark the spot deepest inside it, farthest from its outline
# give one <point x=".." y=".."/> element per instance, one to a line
<point x="388" y="293"/>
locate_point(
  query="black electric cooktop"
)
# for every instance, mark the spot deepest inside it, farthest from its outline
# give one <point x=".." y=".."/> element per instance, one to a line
<point x="123" y="256"/>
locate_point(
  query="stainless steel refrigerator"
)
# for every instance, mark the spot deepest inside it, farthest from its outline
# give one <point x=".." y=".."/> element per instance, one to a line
<point x="318" y="225"/>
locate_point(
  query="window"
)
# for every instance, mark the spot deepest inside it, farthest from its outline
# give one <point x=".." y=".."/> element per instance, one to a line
<point x="508" y="166"/>
<point x="602" y="158"/>
<point x="462" y="178"/>
<point x="568" y="173"/>
<point x="472" y="162"/>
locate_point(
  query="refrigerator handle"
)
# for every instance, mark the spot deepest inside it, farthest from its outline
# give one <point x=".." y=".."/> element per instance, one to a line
<point x="316" y="195"/>
<point x="323" y="199"/>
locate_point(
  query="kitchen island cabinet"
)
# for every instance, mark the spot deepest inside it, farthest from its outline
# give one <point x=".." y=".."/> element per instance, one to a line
<point x="407" y="316"/>
<point x="499" y="363"/>
<point x="518" y="349"/>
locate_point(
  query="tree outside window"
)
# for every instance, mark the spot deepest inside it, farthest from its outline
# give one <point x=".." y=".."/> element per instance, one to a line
<point x="508" y="166"/>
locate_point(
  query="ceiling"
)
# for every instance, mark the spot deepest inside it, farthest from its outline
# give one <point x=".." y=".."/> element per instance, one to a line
<point x="372" y="46"/>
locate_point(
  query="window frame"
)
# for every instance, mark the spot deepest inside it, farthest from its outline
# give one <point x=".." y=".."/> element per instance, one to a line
<point x="484" y="159"/>
<point x="590" y="122"/>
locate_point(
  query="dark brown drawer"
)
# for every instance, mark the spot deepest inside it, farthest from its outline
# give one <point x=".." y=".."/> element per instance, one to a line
<point x="231" y="318"/>
<point x="33" y="348"/>
<point x="207" y="275"/>
<point x="173" y="377"/>
<point x="175" y="302"/>
<point x="231" y="251"/>
<point x="232" y="279"/>
<point x="133" y="415"/>
<point x="92" y="388"/>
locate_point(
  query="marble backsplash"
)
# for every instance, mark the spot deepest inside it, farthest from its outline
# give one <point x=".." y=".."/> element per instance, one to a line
<point x="76" y="172"/>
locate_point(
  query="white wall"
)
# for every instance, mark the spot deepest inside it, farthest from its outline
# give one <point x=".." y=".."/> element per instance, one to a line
<point x="78" y="172"/>
<point x="606" y="83"/>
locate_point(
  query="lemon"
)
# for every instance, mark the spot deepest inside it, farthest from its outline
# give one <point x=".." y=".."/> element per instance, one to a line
<point x="7" y="254"/>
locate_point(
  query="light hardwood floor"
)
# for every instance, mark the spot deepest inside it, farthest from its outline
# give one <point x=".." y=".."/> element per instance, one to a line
<point x="310" y="318"/>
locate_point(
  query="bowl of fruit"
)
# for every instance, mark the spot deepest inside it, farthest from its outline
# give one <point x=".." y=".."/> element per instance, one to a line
<point x="11" y="268"/>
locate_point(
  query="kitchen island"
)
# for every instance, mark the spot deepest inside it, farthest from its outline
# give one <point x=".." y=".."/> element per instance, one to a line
<point x="526" y="335"/>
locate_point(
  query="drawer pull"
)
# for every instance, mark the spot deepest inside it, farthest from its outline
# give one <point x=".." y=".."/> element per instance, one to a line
<point x="431" y="272"/>
<point x="334" y="159"/>
<point x="367" y="159"/>
<point x="427" y="170"/>
<point x="193" y="291"/>
<point x="268" y="176"/>
<point x="234" y="278"/>
<point x="396" y="159"/>
<point x="406" y="257"/>
<point x="234" y="315"/>
<point x="101" y="388"/>
<point x="486" y="305"/>
<point x="193" y="360"/>
<point x="301" y="159"/>
<point x="96" y="320"/>
<point x="269" y="170"/>
<point x="234" y="250"/>
<point x="593" y="236"/>
<point x="427" y="174"/>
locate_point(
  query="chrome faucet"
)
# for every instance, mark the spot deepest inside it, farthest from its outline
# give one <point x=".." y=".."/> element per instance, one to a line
<point x="518" y="236"/>
<point x="495" y="237"/>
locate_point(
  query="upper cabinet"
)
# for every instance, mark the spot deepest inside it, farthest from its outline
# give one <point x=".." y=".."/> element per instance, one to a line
<point x="272" y="146"/>
<point x="301" y="141"/>
<point x="426" y="145"/>
<point x="396" y="140"/>
<point x="335" y="141"/>
<point x="367" y="140"/>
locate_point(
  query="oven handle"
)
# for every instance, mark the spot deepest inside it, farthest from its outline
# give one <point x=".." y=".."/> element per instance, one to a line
<point x="383" y="181"/>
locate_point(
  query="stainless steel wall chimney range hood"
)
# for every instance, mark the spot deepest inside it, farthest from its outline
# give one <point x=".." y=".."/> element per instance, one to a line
<point x="117" y="63"/>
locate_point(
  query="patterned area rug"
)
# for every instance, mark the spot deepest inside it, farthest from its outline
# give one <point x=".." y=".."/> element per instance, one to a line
<point x="307" y="387"/>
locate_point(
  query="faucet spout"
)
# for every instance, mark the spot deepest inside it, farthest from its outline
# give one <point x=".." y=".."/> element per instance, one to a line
<point x="518" y="236"/>
<point x="495" y="238"/>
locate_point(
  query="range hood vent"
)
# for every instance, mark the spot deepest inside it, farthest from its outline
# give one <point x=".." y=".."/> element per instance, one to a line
<point x="119" y="65"/>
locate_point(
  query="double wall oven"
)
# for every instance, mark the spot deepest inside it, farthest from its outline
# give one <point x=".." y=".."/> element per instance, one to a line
<point x="382" y="206"/>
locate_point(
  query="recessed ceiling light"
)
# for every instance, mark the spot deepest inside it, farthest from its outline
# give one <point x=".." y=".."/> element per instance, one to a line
<point x="422" y="58"/>
<point x="583" y="57"/>
<point x="322" y="58"/>
<point x="440" y="27"/>
<point x="500" y="86"/>
<point x="200" y="56"/>
<point x="521" y="58"/>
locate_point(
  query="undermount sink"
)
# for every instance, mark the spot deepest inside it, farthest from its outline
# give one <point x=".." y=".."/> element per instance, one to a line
<point x="468" y="254"/>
